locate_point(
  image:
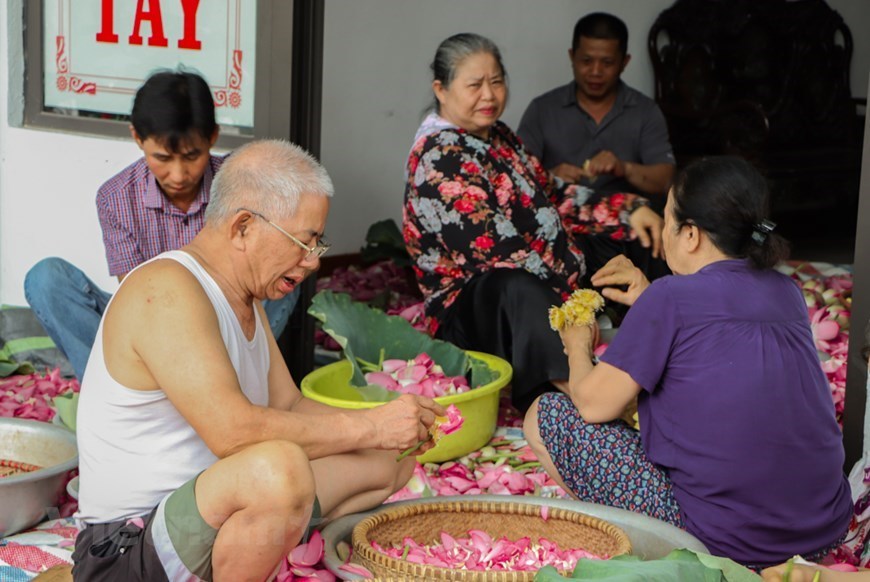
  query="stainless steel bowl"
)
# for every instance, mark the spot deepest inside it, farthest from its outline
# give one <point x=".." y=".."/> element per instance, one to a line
<point x="650" y="538"/>
<point x="26" y="498"/>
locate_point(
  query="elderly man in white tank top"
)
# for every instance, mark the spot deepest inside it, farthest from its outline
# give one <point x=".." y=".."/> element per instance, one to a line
<point x="199" y="457"/>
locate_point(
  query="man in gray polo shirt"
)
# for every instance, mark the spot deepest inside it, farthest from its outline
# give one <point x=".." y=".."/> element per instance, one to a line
<point x="597" y="130"/>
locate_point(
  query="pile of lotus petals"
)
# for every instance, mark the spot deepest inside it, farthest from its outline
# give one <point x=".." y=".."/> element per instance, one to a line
<point x="420" y="376"/>
<point x="30" y="395"/>
<point x="382" y="284"/>
<point x="506" y="466"/>
<point x="829" y="302"/>
<point x="479" y="551"/>
<point x="305" y="564"/>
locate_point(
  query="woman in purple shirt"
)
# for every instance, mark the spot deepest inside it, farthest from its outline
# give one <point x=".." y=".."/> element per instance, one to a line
<point x="738" y="443"/>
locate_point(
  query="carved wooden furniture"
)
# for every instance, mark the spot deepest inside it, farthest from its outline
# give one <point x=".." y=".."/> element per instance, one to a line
<point x="767" y="80"/>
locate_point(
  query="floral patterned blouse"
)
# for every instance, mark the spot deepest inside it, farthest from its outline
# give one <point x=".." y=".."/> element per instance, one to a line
<point x="472" y="205"/>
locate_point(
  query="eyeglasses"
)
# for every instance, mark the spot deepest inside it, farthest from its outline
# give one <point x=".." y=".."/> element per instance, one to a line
<point x="315" y="252"/>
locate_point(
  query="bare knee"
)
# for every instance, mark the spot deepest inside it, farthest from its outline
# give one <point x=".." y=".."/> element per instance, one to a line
<point x="281" y="476"/>
<point x="386" y="475"/>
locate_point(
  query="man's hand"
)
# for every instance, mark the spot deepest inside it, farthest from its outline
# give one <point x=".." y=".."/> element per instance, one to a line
<point x="620" y="271"/>
<point x="647" y="178"/>
<point x="403" y="422"/>
<point x="605" y="162"/>
<point x="569" y="172"/>
<point x="648" y="227"/>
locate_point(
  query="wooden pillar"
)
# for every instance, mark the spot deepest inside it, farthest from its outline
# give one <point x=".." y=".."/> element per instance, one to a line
<point x="856" y="374"/>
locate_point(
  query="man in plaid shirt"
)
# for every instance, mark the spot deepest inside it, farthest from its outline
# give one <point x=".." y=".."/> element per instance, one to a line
<point x="154" y="205"/>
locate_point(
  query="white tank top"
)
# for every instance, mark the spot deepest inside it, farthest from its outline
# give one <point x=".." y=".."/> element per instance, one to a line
<point x="134" y="446"/>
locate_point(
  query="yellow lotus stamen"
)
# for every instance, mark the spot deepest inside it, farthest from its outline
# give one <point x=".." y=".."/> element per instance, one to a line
<point x="579" y="309"/>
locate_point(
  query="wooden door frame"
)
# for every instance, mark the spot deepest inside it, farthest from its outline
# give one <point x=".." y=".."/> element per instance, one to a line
<point x="856" y="372"/>
<point x="297" y="341"/>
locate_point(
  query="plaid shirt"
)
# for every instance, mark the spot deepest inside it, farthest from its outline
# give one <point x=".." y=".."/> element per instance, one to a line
<point x="138" y="221"/>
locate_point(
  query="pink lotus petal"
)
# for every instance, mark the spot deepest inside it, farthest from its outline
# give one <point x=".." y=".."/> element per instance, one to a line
<point x="318" y="576"/>
<point x="447" y="541"/>
<point x="445" y="490"/>
<point x="480" y="539"/>
<point x="498" y="488"/>
<point x="545" y="512"/>
<point x="424" y="360"/>
<point x="356" y="569"/>
<point x="826" y="330"/>
<point x="391" y="366"/>
<point x="382" y="379"/>
<point x="415" y="373"/>
<point x="454" y="421"/>
<point x="516" y="483"/>
<point x="284" y="570"/>
<point x="308" y="554"/>
<point x="459" y="483"/>
<point x="842" y="567"/>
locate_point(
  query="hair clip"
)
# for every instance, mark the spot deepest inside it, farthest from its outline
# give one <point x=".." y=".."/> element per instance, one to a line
<point x="761" y="230"/>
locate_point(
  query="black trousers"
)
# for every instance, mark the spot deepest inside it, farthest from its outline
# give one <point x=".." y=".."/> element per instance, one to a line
<point x="599" y="249"/>
<point x="504" y="312"/>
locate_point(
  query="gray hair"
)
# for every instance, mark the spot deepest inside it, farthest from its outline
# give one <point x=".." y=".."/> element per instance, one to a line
<point x="452" y="51"/>
<point x="268" y="176"/>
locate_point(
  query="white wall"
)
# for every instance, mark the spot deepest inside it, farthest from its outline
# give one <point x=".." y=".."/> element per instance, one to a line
<point x="376" y="79"/>
<point x="376" y="82"/>
<point x="375" y="87"/>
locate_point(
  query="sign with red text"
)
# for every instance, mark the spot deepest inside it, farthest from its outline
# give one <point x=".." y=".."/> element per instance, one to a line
<point x="99" y="52"/>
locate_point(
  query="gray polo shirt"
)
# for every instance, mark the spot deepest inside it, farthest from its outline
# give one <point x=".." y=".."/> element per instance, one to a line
<point x="556" y="129"/>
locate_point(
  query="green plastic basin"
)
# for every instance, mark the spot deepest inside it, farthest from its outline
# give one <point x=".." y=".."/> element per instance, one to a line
<point x="479" y="406"/>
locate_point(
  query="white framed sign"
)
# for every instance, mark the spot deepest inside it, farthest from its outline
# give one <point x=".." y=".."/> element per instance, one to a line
<point x="97" y="53"/>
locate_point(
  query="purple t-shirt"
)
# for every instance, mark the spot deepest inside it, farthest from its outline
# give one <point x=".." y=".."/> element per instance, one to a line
<point x="736" y="408"/>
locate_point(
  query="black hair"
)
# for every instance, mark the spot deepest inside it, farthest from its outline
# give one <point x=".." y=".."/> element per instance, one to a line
<point x="727" y="198"/>
<point x="603" y="26"/>
<point x="455" y="49"/>
<point x="171" y="106"/>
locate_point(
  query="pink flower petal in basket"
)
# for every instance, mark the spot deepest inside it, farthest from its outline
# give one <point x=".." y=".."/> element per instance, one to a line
<point x="480" y="540"/>
<point x="448" y="541"/>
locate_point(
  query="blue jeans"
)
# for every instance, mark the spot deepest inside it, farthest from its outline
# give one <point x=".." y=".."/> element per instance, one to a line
<point x="69" y="306"/>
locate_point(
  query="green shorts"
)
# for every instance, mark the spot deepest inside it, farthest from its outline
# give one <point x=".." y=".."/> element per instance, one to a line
<point x="173" y="539"/>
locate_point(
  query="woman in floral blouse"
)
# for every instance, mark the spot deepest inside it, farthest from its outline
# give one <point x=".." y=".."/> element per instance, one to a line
<point x="496" y="240"/>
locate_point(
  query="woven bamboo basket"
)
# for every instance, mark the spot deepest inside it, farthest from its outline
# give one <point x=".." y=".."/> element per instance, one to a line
<point x="424" y="523"/>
